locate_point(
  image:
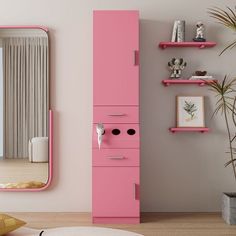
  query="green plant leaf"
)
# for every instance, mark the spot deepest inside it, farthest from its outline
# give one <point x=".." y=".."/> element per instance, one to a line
<point x="226" y="18"/>
<point x="230" y="162"/>
<point x="232" y="12"/>
<point x="230" y="46"/>
<point x="224" y="21"/>
<point x="218" y="108"/>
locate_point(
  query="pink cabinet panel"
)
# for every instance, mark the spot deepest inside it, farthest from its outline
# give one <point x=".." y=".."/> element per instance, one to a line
<point x="115" y="58"/>
<point x="116" y="114"/>
<point x="116" y="157"/>
<point x="117" y="136"/>
<point x="116" y="106"/>
<point x="116" y="192"/>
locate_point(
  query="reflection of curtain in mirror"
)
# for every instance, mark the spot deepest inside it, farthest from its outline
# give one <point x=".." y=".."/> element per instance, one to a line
<point x="25" y="73"/>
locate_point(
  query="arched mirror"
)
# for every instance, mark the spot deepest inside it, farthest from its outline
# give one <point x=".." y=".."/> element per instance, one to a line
<point x="25" y="117"/>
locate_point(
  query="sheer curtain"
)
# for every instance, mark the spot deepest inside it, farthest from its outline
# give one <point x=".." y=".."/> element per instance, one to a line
<point x="26" y="85"/>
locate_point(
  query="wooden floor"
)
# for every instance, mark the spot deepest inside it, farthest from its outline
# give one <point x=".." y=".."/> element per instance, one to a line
<point x="21" y="170"/>
<point x="153" y="224"/>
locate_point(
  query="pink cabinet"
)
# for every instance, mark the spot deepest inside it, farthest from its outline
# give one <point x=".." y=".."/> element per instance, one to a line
<point x="116" y="184"/>
<point x="115" y="58"/>
<point x="118" y="188"/>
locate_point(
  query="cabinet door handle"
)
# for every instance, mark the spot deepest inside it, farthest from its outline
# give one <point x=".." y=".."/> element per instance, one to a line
<point x="136" y="57"/>
<point x="134" y="191"/>
<point x="116" y="157"/>
<point x="117" y="114"/>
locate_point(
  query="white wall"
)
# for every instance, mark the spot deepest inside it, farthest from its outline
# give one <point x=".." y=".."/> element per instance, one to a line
<point x="181" y="172"/>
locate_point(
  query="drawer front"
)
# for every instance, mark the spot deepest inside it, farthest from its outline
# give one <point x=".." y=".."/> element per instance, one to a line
<point x="118" y="136"/>
<point x="116" y="192"/>
<point x="116" y="114"/>
<point x="116" y="157"/>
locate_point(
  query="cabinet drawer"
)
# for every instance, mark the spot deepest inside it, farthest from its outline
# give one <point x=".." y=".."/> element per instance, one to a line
<point x="116" y="114"/>
<point x="116" y="157"/>
<point x="118" y="136"/>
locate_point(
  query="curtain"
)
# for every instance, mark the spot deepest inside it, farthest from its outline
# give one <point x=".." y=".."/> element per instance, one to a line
<point x="26" y="88"/>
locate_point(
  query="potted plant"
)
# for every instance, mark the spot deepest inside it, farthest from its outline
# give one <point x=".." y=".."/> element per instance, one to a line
<point x="226" y="105"/>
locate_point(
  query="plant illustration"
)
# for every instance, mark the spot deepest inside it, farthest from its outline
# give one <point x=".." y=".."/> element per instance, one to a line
<point x="226" y="18"/>
<point x="190" y="108"/>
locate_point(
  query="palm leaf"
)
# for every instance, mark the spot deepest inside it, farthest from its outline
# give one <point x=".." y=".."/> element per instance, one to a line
<point x="232" y="12"/>
<point x="229" y="85"/>
<point x="224" y="80"/>
<point x="232" y="141"/>
<point x="230" y="15"/>
<point x="223" y="20"/>
<point x="223" y="91"/>
<point x="234" y="114"/>
<point x="229" y="162"/>
<point x="218" y="14"/>
<point x="232" y="45"/>
<point x="215" y="87"/>
<point x="227" y="18"/>
<point x="220" y="107"/>
<point x="219" y="21"/>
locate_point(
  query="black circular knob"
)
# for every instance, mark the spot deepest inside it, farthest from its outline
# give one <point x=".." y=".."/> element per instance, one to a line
<point x="115" y="131"/>
<point x="131" y="131"/>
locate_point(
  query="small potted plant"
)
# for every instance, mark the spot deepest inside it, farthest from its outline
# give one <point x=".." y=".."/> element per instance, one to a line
<point x="225" y="92"/>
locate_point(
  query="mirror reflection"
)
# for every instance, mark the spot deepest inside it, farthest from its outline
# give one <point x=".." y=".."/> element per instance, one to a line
<point x="24" y="108"/>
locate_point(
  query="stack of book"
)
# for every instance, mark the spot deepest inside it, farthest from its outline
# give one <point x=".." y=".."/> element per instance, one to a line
<point x="178" y="33"/>
<point x="197" y="77"/>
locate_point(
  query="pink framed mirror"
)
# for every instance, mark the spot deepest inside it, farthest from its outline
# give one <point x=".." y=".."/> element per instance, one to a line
<point x="25" y="114"/>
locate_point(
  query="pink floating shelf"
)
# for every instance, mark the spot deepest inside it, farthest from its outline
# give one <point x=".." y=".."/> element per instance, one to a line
<point x="168" y="82"/>
<point x="189" y="129"/>
<point x="164" y="45"/>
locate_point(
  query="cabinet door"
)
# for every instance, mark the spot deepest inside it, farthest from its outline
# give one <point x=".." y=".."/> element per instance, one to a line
<point x="115" y="191"/>
<point x="115" y="57"/>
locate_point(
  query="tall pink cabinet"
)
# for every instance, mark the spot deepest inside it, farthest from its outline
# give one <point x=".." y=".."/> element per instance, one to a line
<point x="116" y="165"/>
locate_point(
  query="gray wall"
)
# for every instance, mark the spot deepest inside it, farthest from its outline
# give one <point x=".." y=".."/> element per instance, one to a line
<point x="180" y="172"/>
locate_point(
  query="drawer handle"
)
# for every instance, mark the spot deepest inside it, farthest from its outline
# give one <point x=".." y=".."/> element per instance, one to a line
<point x="116" y="157"/>
<point x="136" y="58"/>
<point x="134" y="190"/>
<point x="117" y="114"/>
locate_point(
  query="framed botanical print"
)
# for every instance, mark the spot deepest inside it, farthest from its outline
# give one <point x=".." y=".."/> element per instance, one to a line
<point x="190" y="111"/>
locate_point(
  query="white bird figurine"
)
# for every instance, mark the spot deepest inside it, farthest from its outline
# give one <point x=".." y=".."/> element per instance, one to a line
<point x="100" y="131"/>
